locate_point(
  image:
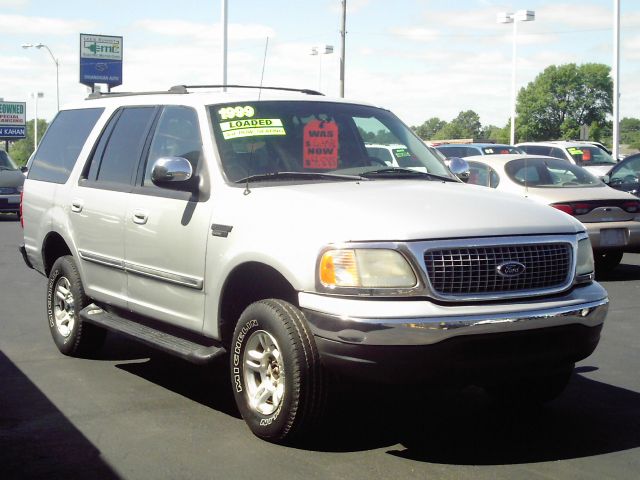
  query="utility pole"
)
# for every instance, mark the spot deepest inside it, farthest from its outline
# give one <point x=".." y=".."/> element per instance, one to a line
<point x="616" y="79"/>
<point x="343" y="35"/>
<point x="224" y="21"/>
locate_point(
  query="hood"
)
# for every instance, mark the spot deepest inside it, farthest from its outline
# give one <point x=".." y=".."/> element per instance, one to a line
<point x="11" y="178"/>
<point x="388" y="210"/>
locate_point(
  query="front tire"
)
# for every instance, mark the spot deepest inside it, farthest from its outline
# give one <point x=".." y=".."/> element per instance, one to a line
<point x="65" y="299"/>
<point x="277" y="379"/>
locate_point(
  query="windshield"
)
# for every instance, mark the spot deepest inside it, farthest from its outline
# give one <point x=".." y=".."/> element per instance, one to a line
<point x="586" y="155"/>
<point x="5" y="162"/>
<point x="549" y="172"/>
<point x="322" y="140"/>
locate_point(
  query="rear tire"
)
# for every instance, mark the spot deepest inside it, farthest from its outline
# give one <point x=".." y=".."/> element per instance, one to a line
<point x="65" y="299"/>
<point x="607" y="261"/>
<point x="277" y="379"/>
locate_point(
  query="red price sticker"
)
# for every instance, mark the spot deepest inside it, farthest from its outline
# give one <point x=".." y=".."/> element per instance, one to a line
<point x="320" y="149"/>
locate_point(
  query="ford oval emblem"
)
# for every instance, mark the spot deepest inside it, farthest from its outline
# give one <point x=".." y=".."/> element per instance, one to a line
<point x="510" y="269"/>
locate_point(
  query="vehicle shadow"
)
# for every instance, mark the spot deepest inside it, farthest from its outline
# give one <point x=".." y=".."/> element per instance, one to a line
<point x="464" y="428"/>
<point x="208" y="385"/>
<point x="622" y="273"/>
<point x="36" y="439"/>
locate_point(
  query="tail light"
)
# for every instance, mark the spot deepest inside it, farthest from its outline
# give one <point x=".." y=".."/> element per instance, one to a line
<point x="582" y="208"/>
<point x="563" y="207"/>
<point x="21" y="217"/>
<point x="632" y="206"/>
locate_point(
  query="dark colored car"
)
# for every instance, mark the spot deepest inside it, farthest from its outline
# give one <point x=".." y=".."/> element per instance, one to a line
<point x="626" y="175"/>
<point x="11" y="180"/>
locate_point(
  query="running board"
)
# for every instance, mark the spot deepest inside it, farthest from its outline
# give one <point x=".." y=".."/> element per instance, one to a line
<point x="171" y="344"/>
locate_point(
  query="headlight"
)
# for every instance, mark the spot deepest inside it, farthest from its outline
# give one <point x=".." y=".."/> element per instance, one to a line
<point x="584" y="263"/>
<point x="365" y="268"/>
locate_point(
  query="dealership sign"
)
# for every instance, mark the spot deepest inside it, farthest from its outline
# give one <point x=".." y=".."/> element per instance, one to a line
<point x="100" y="60"/>
<point x="13" y="120"/>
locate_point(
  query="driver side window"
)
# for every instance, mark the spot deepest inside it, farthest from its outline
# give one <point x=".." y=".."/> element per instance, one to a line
<point x="177" y="135"/>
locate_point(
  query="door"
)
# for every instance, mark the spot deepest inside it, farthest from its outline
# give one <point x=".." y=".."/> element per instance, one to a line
<point x="166" y="228"/>
<point x="99" y="204"/>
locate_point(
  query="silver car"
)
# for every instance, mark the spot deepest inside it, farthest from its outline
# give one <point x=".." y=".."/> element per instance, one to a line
<point x="11" y="181"/>
<point x="612" y="218"/>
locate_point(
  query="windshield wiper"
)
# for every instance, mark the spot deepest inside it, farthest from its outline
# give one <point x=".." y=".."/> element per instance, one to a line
<point x="297" y="176"/>
<point x="394" y="172"/>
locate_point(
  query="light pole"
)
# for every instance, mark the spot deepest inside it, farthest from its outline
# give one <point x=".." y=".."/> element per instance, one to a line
<point x="36" y="96"/>
<point x="55" y="61"/>
<point x="519" y="16"/>
<point x="319" y="51"/>
<point x="616" y="79"/>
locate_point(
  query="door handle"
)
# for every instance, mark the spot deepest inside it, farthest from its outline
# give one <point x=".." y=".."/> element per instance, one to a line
<point x="76" y="205"/>
<point x="140" y="217"/>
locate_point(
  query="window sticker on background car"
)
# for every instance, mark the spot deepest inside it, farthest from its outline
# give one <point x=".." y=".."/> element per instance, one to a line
<point x="586" y="155"/>
<point x="229" y="113"/>
<point x="401" y="153"/>
<point x="488" y="150"/>
<point x="574" y="151"/>
<point x="252" y="128"/>
<point x="320" y="144"/>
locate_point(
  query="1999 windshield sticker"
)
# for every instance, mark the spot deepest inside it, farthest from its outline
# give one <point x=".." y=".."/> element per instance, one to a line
<point x="229" y="113"/>
<point x="251" y="128"/>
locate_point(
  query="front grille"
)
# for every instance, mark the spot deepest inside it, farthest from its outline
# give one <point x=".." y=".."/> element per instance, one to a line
<point x="474" y="271"/>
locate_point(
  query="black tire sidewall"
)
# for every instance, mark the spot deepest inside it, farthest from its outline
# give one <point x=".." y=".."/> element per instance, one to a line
<point x="65" y="267"/>
<point x="275" y="426"/>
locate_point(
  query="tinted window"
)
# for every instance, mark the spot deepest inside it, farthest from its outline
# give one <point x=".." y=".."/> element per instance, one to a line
<point x="626" y="172"/>
<point x="5" y="161"/>
<point x="61" y="145"/>
<point x="177" y="135"/>
<point x="481" y="174"/>
<point x="557" y="153"/>
<point x="549" y="172"/>
<point x="123" y="147"/>
<point x="500" y="150"/>
<point x="535" y="149"/>
<point x="458" y="151"/>
<point x="588" y="155"/>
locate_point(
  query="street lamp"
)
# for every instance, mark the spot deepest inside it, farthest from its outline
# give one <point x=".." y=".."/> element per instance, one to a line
<point x="35" y="120"/>
<point x="319" y="51"/>
<point x="55" y="60"/>
<point x="519" y="16"/>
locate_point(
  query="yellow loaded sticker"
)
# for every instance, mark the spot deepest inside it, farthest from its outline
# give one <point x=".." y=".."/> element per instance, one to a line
<point x="251" y="128"/>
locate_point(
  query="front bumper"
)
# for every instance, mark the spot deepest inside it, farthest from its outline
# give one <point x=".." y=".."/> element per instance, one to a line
<point x="455" y="342"/>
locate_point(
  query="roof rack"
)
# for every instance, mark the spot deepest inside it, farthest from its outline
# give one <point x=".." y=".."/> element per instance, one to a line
<point x="185" y="88"/>
<point x="182" y="89"/>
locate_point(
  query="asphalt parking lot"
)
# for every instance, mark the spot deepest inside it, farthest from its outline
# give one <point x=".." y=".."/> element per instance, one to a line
<point x="132" y="413"/>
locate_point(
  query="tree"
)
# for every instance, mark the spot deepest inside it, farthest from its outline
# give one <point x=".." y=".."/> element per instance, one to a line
<point x="22" y="149"/>
<point x="561" y="99"/>
<point x="465" y="125"/>
<point x="429" y="128"/>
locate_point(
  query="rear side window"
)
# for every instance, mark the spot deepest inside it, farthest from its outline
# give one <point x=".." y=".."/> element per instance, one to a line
<point x="120" y="146"/>
<point x="61" y="145"/>
<point x="536" y="149"/>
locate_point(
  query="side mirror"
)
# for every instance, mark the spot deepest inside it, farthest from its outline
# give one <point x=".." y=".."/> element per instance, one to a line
<point x="170" y="170"/>
<point x="460" y="168"/>
<point x="24" y="169"/>
<point x="606" y="179"/>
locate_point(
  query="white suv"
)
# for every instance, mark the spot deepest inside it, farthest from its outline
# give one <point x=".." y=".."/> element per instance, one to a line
<point x="255" y="226"/>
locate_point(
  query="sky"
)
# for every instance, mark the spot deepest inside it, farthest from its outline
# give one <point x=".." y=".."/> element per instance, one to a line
<point x="419" y="58"/>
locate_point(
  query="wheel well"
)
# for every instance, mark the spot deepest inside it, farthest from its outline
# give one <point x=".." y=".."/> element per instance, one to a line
<point x="53" y="248"/>
<point x="246" y="284"/>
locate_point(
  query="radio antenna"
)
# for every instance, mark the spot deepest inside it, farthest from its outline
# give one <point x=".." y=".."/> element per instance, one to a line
<point x="264" y="62"/>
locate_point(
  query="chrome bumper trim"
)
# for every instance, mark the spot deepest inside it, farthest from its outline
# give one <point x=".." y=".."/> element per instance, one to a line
<point x="431" y="330"/>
